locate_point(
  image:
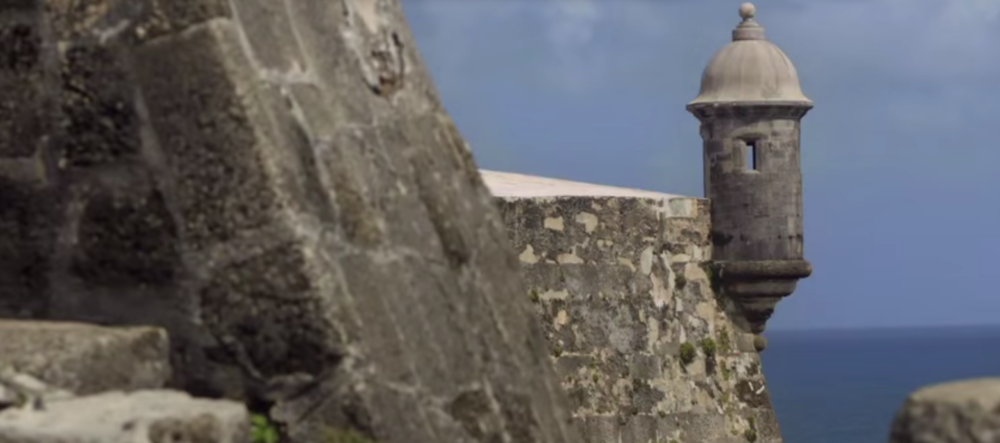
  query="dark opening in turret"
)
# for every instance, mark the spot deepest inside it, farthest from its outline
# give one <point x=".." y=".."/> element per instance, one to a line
<point x="750" y="154"/>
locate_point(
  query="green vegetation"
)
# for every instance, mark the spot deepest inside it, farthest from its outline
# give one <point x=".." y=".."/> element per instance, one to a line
<point x="557" y="351"/>
<point x="534" y="296"/>
<point x="687" y="353"/>
<point x="713" y="277"/>
<point x="680" y="281"/>
<point x="726" y="372"/>
<point x="708" y="346"/>
<point x="334" y="435"/>
<point x="751" y="433"/>
<point x="725" y="346"/>
<point x="262" y="430"/>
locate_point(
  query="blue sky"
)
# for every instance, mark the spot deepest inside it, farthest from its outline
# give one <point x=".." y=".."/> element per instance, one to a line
<point x="900" y="155"/>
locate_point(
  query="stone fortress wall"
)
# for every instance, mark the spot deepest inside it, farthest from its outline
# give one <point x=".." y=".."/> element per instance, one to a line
<point x="277" y="185"/>
<point x="645" y="347"/>
<point x="262" y="206"/>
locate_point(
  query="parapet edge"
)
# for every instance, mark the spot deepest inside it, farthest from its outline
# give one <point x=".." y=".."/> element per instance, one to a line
<point x="514" y="185"/>
<point x="511" y="186"/>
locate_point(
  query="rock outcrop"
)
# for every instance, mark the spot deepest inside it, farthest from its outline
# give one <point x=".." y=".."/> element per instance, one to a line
<point x="139" y="417"/>
<point x="276" y="183"/>
<point x="78" y="383"/>
<point x="86" y="359"/>
<point x="965" y="411"/>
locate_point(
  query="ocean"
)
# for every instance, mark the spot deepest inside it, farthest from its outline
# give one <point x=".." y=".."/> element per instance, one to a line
<point x="846" y="386"/>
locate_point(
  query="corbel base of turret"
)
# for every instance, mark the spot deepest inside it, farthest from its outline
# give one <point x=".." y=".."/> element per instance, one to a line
<point x="757" y="287"/>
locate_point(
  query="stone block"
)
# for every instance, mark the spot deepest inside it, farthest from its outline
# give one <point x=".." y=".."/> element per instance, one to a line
<point x="25" y="246"/>
<point x="126" y="238"/>
<point x="222" y="187"/>
<point x="745" y="342"/>
<point x="639" y="428"/>
<point x="96" y="103"/>
<point x="966" y="411"/>
<point x="22" y="117"/>
<point x="646" y="366"/>
<point x="86" y="359"/>
<point x="141" y="417"/>
<point x="601" y="429"/>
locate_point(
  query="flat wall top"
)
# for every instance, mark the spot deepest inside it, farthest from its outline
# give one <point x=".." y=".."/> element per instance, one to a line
<point x="508" y="184"/>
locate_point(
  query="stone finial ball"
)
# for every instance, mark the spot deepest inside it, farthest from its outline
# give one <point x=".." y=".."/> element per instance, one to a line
<point x="748" y="11"/>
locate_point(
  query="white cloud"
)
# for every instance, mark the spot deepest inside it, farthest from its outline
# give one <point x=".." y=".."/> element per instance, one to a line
<point x="584" y="43"/>
<point x="571" y="44"/>
<point x="571" y="23"/>
<point x="570" y="27"/>
<point x="449" y="31"/>
<point x="918" y="39"/>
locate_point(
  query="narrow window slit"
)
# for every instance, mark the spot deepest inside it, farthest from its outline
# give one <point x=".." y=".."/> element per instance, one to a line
<point x="751" y="160"/>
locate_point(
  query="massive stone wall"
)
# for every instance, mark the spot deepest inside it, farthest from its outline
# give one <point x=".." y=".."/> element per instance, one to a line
<point x="277" y="184"/>
<point x="622" y="287"/>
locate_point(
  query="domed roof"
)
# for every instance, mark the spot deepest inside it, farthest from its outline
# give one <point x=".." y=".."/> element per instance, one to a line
<point x="750" y="70"/>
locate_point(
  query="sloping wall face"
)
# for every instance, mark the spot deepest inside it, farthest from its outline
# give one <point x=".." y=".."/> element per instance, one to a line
<point x="277" y="184"/>
<point x="646" y="350"/>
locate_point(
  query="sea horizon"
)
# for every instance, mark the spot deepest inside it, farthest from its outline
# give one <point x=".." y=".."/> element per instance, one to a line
<point x="834" y="385"/>
<point x="883" y="328"/>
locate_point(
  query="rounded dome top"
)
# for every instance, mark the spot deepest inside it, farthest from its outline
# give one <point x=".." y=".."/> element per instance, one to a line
<point x="750" y="70"/>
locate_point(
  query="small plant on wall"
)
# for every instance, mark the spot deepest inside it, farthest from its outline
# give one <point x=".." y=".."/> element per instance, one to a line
<point x="750" y="434"/>
<point x="725" y="346"/>
<point x="712" y="272"/>
<point x="262" y="430"/>
<point x="687" y="353"/>
<point x="708" y="347"/>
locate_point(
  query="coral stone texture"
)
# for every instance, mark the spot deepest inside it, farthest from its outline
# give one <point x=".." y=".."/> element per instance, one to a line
<point x="622" y="286"/>
<point x="966" y="411"/>
<point x="277" y="184"/>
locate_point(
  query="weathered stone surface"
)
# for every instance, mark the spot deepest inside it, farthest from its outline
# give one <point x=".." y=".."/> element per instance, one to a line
<point x="22" y="390"/>
<point x="621" y="285"/>
<point x="966" y="411"/>
<point x="139" y="417"/>
<point x="86" y="359"/>
<point x="277" y="184"/>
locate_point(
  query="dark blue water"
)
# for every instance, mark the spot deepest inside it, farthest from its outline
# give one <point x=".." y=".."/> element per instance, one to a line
<point x="845" y="386"/>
